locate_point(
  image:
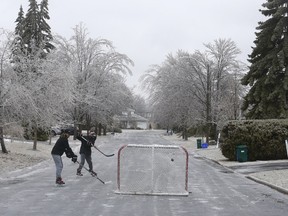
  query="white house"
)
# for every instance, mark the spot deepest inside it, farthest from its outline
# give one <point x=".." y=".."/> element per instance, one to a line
<point x="129" y="119"/>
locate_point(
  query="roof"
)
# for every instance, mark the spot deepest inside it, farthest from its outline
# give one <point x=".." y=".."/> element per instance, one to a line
<point x="133" y="117"/>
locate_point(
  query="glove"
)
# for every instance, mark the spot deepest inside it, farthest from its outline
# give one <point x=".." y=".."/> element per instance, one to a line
<point x="74" y="158"/>
<point x="90" y="144"/>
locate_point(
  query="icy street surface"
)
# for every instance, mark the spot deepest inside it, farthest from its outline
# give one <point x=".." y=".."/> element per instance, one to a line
<point x="214" y="190"/>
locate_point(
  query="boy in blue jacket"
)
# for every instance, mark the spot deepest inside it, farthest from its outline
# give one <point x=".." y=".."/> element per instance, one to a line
<point x="87" y="142"/>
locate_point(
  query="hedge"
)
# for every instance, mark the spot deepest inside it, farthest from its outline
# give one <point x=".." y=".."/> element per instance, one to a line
<point x="265" y="139"/>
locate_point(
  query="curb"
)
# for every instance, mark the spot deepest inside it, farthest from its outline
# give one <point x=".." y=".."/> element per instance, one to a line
<point x="275" y="187"/>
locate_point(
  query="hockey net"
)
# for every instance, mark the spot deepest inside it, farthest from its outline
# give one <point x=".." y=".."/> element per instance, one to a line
<point x="152" y="170"/>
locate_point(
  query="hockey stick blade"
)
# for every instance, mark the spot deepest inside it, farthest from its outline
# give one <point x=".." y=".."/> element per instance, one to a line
<point x="107" y="155"/>
<point x="92" y="175"/>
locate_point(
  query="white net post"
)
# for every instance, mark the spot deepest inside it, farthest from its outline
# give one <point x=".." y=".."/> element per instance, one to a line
<point x="152" y="170"/>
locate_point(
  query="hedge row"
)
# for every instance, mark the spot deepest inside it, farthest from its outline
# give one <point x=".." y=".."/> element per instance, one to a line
<point x="265" y="139"/>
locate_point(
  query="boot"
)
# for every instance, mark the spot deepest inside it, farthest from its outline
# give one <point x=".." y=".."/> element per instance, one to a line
<point x="93" y="173"/>
<point x="79" y="173"/>
<point x="59" y="181"/>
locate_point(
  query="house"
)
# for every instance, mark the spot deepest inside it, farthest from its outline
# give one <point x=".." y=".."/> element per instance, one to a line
<point x="130" y="120"/>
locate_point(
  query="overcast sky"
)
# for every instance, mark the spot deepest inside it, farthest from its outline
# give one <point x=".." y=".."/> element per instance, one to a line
<point x="148" y="30"/>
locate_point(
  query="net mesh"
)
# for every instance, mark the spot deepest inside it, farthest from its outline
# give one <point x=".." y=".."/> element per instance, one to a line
<point x="152" y="170"/>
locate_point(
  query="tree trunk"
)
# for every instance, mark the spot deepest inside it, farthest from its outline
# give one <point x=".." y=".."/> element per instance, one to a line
<point x="50" y="138"/>
<point x="185" y="134"/>
<point x="95" y="128"/>
<point x="99" y="129"/>
<point x="3" y="147"/>
<point x="208" y="105"/>
<point x="35" y="138"/>
<point x="88" y="122"/>
<point x="75" y="121"/>
<point x="105" y="130"/>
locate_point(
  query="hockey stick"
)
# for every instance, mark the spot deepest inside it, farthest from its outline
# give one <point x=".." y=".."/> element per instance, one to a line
<point x="92" y="173"/>
<point x="107" y="155"/>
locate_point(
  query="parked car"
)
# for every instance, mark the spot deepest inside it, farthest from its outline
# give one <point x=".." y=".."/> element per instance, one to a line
<point x="55" y="131"/>
<point x="69" y="128"/>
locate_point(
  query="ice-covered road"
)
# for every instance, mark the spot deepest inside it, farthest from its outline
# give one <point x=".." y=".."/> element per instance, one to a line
<point x="214" y="190"/>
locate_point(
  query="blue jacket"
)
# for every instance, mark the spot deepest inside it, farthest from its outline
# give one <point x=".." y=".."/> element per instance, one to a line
<point x="86" y="147"/>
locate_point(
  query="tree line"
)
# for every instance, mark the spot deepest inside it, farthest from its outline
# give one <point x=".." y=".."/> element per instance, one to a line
<point x="206" y="89"/>
<point x="200" y="89"/>
<point x="46" y="78"/>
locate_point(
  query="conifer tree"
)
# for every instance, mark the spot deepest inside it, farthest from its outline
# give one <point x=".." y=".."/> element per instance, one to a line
<point x="19" y="20"/>
<point x="44" y="27"/>
<point x="33" y="29"/>
<point x="31" y="34"/>
<point x="31" y="46"/>
<point x="18" y="43"/>
<point x="268" y="72"/>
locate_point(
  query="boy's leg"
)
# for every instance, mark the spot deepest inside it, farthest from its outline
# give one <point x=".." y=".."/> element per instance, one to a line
<point x="89" y="161"/>
<point x="90" y="164"/>
<point x="81" y="164"/>
<point x="59" y="167"/>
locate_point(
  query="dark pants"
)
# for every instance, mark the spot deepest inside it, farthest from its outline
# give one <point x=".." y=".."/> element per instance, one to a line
<point x="88" y="158"/>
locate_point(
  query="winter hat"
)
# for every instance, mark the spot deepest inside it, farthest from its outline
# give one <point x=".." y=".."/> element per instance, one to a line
<point x="92" y="133"/>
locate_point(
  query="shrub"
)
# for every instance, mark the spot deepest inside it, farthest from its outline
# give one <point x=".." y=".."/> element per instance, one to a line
<point x="14" y="131"/>
<point x="42" y="135"/>
<point x="117" y="130"/>
<point x="265" y="139"/>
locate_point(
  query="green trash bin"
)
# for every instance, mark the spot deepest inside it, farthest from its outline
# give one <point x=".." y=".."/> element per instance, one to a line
<point x="199" y="142"/>
<point x="241" y="153"/>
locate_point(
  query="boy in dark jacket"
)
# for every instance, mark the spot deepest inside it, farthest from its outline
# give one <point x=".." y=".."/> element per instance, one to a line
<point x="61" y="146"/>
<point x="87" y="142"/>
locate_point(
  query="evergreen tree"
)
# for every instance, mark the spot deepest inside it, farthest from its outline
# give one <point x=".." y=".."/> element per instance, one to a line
<point x="31" y="35"/>
<point x="19" y="20"/>
<point x="29" y="55"/>
<point x="44" y="27"/>
<point x="33" y="30"/>
<point x="18" y="44"/>
<point x="268" y="72"/>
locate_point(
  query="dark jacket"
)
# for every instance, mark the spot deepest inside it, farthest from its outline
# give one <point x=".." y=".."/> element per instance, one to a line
<point x="86" y="147"/>
<point x="62" y="146"/>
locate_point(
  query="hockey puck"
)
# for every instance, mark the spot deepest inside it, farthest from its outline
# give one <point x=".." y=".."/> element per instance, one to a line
<point x="172" y="159"/>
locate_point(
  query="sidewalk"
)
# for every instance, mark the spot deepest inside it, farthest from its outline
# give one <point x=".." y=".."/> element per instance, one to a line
<point x="277" y="179"/>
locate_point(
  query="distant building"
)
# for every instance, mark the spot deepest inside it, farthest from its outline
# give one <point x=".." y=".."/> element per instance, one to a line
<point x="130" y="120"/>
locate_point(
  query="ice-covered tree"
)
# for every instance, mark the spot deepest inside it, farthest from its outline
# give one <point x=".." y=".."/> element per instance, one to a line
<point x="94" y="64"/>
<point x="201" y="79"/>
<point x="139" y="105"/>
<point x="268" y="72"/>
<point x="5" y="78"/>
<point x="31" y="46"/>
<point x="192" y="89"/>
<point x="42" y="96"/>
<point x="223" y="53"/>
<point x="168" y="94"/>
